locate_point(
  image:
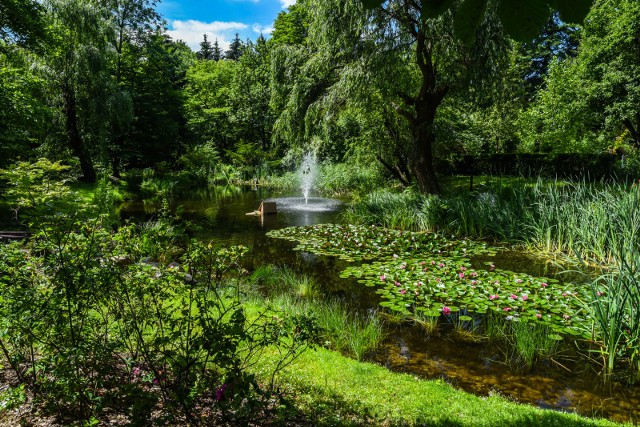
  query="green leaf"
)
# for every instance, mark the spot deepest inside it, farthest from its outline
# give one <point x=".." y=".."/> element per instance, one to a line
<point x="435" y="8"/>
<point x="371" y="4"/>
<point x="468" y="18"/>
<point x="523" y="20"/>
<point x="573" y="11"/>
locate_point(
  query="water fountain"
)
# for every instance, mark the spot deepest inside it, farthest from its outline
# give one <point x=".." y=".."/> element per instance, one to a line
<point x="307" y="174"/>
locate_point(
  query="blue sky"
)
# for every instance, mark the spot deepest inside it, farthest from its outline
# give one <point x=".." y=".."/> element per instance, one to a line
<point x="188" y="20"/>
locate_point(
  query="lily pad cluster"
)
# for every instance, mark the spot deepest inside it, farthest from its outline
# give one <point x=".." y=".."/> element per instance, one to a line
<point x="432" y="286"/>
<point x="358" y="242"/>
<point x="427" y="274"/>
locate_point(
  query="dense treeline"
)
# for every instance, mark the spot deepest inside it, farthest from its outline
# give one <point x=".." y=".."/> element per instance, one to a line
<point x="100" y="85"/>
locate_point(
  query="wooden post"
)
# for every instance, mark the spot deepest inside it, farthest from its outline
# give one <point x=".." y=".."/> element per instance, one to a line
<point x="267" y="208"/>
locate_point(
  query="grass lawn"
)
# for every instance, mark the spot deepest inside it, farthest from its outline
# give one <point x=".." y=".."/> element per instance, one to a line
<point x="331" y="389"/>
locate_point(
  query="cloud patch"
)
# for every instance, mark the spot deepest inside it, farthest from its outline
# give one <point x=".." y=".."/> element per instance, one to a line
<point x="262" y="29"/>
<point x="191" y="32"/>
<point x="286" y="3"/>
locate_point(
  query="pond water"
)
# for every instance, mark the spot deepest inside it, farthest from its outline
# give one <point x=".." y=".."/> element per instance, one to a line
<point x="566" y="382"/>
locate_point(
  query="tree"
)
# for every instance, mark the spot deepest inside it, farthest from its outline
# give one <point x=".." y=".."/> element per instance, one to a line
<point x="235" y="49"/>
<point x="206" y="51"/>
<point x="291" y="27"/>
<point x="592" y="100"/>
<point x="76" y="59"/>
<point x="216" y="55"/>
<point x="22" y="21"/>
<point x="610" y="53"/>
<point x="133" y="22"/>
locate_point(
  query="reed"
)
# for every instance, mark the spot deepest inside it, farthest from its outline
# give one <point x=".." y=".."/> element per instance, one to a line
<point x="613" y="301"/>
<point x="567" y="217"/>
<point x="347" y="330"/>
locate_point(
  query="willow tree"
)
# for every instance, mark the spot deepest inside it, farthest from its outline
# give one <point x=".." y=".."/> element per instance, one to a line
<point x="412" y="54"/>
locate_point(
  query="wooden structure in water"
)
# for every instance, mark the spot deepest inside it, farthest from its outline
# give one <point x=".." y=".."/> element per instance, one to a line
<point x="266" y="208"/>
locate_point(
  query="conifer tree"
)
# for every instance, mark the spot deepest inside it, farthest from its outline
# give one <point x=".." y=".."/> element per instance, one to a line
<point x="235" y="49"/>
<point x="206" y="50"/>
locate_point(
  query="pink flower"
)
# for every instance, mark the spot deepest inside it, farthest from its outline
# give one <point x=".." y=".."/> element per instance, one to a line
<point x="441" y="265"/>
<point x="438" y="280"/>
<point x="403" y="291"/>
<point x="538" y="315"/>
<point x="473" y="282"/>
<point x="422" y="263"/>
<point x="397" y="283"/>
<point x="599" y="293"/>
<point x="514" y="296"/>
<point x="463" y="268"/>
<point x="564" y="294"/>
<point x="135" y="371"/>
<point x="506" y="309"/>
<point x="461" y="275"/>
<point x="492" y="267"/>
<point x="446" y="310"/>
<point x="220" y="392"/>
<point x="383" y="277"/>
<point x="566" y="316"/>
<point x="525" y="297"/>
<point x="544" y="285"/>
<point x="518" y="280"/>
<point x="474" y="274"/>
<point x="419" y="284"/>
<point x="433" y="263"/>
<point x="403" y="266"/>
<point x="492" y="297"/>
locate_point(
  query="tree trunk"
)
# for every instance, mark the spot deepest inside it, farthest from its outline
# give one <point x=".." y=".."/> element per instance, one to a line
<point x="423" y="140"/>
<point x="73" y="134"/>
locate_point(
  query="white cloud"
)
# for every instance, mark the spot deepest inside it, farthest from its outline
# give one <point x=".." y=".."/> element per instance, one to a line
<point x="286" y="3"/>
<point x="192" y="31"/>
<point x="262" y="29"/>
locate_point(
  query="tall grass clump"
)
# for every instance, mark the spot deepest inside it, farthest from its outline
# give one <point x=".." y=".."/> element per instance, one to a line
<point x="613" y="301"/>
<point x="273" y="280"/>
<point x="526" y="342"/>
<point x="343" y="179"/>
<point x="350" y="332"/>
<point x="568" y="217"/>
<point x="346" y="330"/>
<point x="407" y="210"/>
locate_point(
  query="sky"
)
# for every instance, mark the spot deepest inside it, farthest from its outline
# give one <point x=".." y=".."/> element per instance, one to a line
<point x="188" y="20"/>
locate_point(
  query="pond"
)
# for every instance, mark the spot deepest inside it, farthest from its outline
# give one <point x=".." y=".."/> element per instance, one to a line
<point x="566" y="381"/>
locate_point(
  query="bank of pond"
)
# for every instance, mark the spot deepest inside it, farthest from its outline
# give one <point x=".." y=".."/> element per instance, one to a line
<point x="491" y="320"/>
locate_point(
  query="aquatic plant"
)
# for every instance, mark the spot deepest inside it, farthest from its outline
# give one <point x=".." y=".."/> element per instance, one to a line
<point x="554" y="216"/>
<point x="430" y="285"/>
<point x="354" y="242"/>
<point x="613" y="301"/>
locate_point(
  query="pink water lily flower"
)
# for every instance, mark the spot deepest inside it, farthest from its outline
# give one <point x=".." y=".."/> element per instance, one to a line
<point x="461" y="275"/>
<point x="397" y="284"/>
<point x="493" y="297"/>
<point x="446" y="310"/>
<point x="383" y="277"/>
<point x="538" y="315"/>
<point x="525" y="297"/>
<point x="506" y="309"/>
<point x="403" y="291"/>
<point x="514" y="296"/>
<point x="544" y="285"/>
